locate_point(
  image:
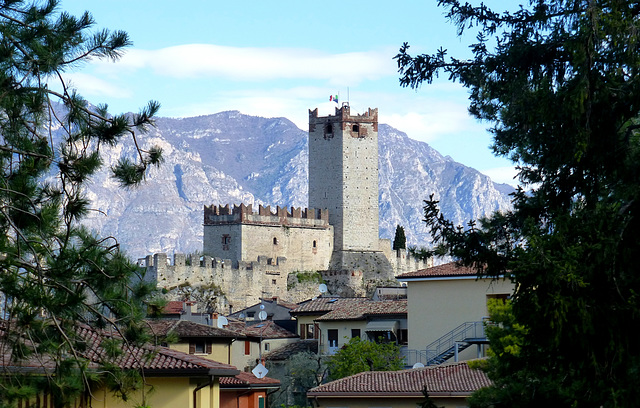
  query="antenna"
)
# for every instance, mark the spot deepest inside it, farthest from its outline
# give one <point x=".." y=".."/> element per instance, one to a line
<point x="222" y="321"/>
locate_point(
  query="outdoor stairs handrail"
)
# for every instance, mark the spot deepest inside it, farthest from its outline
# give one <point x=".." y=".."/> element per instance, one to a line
<point x="443" y="348"/>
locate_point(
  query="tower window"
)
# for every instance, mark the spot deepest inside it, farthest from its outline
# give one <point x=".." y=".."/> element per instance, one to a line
<point x="355" y="128"/>
<point x="226" y="240"/>
<point x="315" y="244"/>
<point x="275" y="241"/>
<point x="328" y="131"/>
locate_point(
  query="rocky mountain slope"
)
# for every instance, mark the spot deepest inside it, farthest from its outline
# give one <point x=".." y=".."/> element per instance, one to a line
<point x="231" y="158"/>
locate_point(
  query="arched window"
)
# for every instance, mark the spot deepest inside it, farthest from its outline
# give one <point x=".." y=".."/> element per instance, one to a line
<point x="275" y="241"/>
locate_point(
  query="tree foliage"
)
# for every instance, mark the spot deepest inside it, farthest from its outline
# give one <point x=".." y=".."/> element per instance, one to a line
<point x="558" y="81"/>
<point x="300" y="372"/>
<point x="360" y="355"/>
<point x="54" y="274"/>
<point x="400" y="239"/>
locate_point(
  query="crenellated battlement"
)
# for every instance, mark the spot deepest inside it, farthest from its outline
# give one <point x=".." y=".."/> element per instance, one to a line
<point x="244" y="214"/>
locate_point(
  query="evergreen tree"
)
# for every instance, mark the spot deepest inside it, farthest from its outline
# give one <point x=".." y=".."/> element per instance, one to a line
<point x="400" y="240"/>
<point x="558" y="81"/>
<point x="54" y="274"/>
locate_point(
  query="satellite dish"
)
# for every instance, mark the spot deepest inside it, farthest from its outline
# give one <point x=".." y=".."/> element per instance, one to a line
<point x="241" y="316"/>
<point x="260" y="371"/>
<point x="261" y="307"/>
<point x="262" y="315"/>
<point x="322" y="288"/>
<point x="222" y="321"/>
<point x="418" y="365"/>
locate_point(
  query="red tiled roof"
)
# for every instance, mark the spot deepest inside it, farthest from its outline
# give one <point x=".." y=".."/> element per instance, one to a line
<point x="173" y="307"/>
<point x="152" y="360"/>
<point x="449" y="269"/>
<point x="185" y="328"/>
<point x="245" y="379"/>
<point x="360" y="310"/>
<point x="451" y="379"/>
<point x="267" y="329"/>
<point x="322" y="305"/>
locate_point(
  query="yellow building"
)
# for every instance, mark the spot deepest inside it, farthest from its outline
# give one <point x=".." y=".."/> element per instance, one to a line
<point x="171" y="378"/>
<point x="447" y="305"/>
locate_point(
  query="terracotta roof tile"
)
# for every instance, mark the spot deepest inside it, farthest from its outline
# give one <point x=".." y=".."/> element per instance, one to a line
<point x="173" y="307"/>
<point x="449" y="269"/>
<point x="267" y="329"/>
<point x="457" y="378"/>
<point x="247" y="379"/>
<point x="323" y="304"/>
<point x="152" y="360"/>
<point x="288" y="350"/>
<point x="185" y="328"/>
<point x="361" y="310"/>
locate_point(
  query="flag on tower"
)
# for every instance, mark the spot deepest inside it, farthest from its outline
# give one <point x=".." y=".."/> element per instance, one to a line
<point x="333" y="98"/>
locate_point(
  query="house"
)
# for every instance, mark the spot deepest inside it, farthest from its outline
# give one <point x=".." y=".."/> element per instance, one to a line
<point x="448" y="385"/>
<point x="257" y="339"/>
<point x="245" y="390"/>
<point x="334" y="321"/>
<point x="171" y="378"/>
<point x="209" y="342"/>
<point x="274" y="308"/>
<point x="447" y="305"/>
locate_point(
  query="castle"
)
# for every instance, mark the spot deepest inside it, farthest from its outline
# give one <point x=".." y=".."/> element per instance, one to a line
<point x="250" y="254"/>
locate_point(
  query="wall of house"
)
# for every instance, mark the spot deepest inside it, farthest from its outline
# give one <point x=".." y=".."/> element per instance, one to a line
<point x="435" y="307"/>
<point x="164" y="392"/>
<point x="242" y="399"/>
<point x="244" y="362"/>
<point x="388" y="402"/>
<point x="344" y="332"/>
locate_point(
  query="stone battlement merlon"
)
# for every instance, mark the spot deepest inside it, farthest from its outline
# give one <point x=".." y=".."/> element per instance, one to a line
<point x="312" y="217"/>
<point x="344" y="114"/>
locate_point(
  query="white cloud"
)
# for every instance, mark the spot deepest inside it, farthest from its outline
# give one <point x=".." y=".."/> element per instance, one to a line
<point x="505" y="175"/>
<point x="257" y="64"/>
<point x="89" y="85"/>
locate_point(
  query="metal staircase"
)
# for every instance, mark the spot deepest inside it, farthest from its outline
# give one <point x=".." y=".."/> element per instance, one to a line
<point x="448" y="345"/>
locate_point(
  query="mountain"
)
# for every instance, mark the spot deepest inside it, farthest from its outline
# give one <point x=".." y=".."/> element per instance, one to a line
<point x="229" y="158"/>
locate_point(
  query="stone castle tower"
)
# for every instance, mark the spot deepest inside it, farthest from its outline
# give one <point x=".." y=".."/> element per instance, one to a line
<point x="343" y="178"/>
<point x="248" y="254"/>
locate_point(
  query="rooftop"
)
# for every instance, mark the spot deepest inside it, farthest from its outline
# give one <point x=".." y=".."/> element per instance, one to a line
<point x="266" y="329"/>
<point x="443" y="380"/>
<point x="451" y="269"/>
<point x="186" y="328"/>
<point x="364" y="309"/>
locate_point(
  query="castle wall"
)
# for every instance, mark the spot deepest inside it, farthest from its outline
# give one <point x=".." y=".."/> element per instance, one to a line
<point x="303" y="237"/>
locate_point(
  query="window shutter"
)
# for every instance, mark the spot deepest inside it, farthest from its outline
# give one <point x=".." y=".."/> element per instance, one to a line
<point x="192" y="347"/>
<point x="247" y="347"/>
<point x="208" y="347"/>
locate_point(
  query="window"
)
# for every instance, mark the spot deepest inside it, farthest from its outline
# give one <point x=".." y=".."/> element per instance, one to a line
<point x="251" y="314"/>
<point x="403" y="337"/>
<point x="275" y="241"/>
<point x="199" y="346"/>
<point x="273" y="281"/>
<point x="356" y="128"/>
<point x="266" y="347"/>
<point x="355" y="333"/>
<point x="226" y="240"/>
<point x="314" y="247"/>
<point x="332" y="337"/>
<point x="308" y="331"/>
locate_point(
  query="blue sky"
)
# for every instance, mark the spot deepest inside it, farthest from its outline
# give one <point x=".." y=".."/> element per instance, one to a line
<point x="280" y="58"/>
